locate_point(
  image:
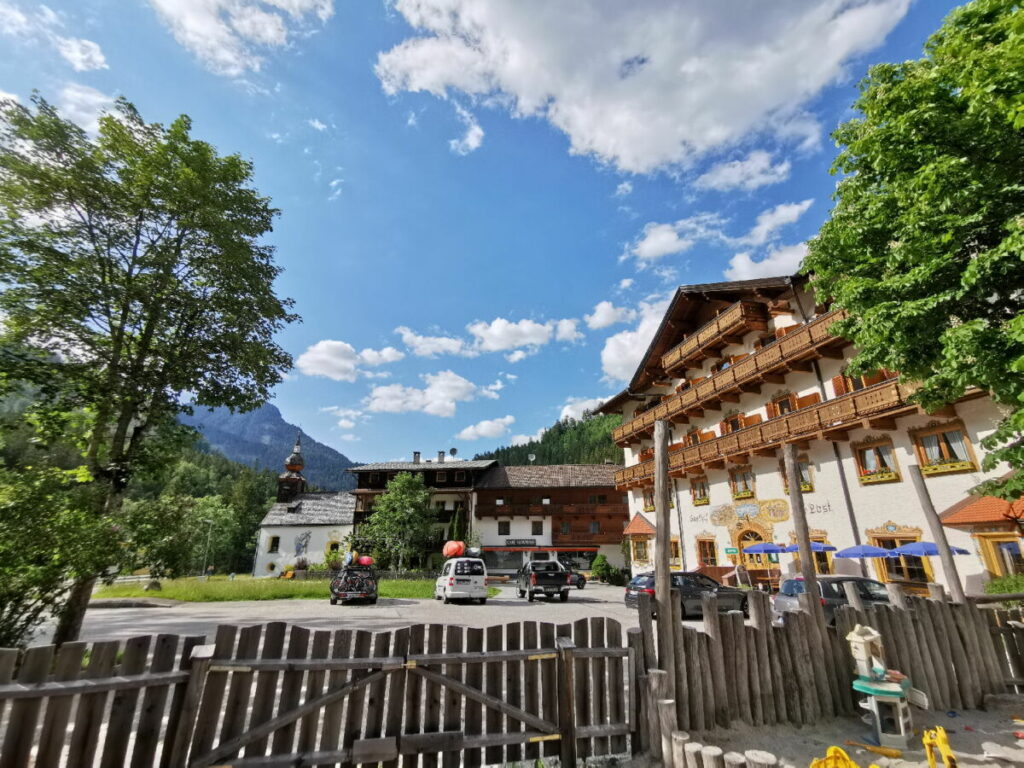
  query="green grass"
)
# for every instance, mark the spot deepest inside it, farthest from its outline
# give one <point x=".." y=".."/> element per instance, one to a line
<point x="220" y="589"/>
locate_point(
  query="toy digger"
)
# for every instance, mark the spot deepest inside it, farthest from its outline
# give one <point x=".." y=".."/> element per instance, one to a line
<point x="935" y="739"/>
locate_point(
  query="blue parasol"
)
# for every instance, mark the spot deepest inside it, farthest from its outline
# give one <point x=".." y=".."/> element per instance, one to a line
<point x="926" y="549"/>
<point x="816" y="546"/>
<point x="864" y="550"/>
<point x="765" y="548"/>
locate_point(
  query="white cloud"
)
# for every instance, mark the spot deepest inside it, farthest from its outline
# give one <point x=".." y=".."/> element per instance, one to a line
<point x="4" y="95"/>
<point x="524" y="439"/>
<point x="656" y="240"/>
<point x="432" y="346"/>
<point x="755" y="171"/>
<point x="347" y="417"/>
<point x="350" y="438"/>
<point x="339" y="361"/>
<point x="517" y="356"/>
<point x="781" y="261"/>
<point x="773" y="219"/>
<point x="83" y="105"/>
<point x="472" y="138"/>
<point x="575" y="407"/>
<point x="565" y="330"/>
<point x="82" y="55"/>
<point x="640" y="86"/>
<point x="438" y="398"/>
<point x="487" y="428"/>
<point x="626" y="283"/>
<point x="625" y="188"/>
<point x="335" y="186"/>
<point x="316" y="125"/>
<point x="623" y="351"/>
<point x="605" y="313"/>
<point x="229" y="36"/>
<point x="501" y="334"/>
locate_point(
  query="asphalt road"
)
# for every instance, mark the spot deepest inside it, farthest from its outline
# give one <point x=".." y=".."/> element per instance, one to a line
<point x="203" y="618"/>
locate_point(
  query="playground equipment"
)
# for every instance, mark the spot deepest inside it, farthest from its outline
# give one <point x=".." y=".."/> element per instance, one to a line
<point x="935" y="740"/>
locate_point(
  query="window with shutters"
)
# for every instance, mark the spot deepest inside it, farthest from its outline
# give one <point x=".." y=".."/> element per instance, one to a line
<point x="732" y="423"/>
<point x="741" y="481"/>
<point x="943" y="448"/>
<point x="780" y="405"/>
<point x="844" y="384"/>
<point x="707" y="552"/>
<point x="700" y="491"/>
<point x="904" y="568"/>
<point x="804" y="470"/>
<point x="876" y="462"/>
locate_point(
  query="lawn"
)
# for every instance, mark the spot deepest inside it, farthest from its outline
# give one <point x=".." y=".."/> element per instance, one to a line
<point x="220" y="589"/>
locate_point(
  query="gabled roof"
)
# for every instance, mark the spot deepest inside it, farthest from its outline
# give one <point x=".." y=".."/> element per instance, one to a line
<point x="551" y="476"/>
<point x="981" y="510"/>
<point x="639" y="526"/>
<point x="313" y="509"/>
<point x="422" y="466"/>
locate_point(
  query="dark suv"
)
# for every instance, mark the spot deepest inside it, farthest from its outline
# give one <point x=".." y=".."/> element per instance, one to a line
<point x="833" y="594"/>
<point x="691" y="586"/>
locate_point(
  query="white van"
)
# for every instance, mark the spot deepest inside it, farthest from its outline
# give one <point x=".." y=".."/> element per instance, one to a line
<point x="462" y="578"/>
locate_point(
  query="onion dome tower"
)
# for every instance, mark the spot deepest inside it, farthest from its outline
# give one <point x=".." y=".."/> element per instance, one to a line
<point x="291" y="483"/>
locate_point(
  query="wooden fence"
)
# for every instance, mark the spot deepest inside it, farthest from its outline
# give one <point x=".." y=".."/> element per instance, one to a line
<point x="801" y="671"/>
<point x="284" y="695"/>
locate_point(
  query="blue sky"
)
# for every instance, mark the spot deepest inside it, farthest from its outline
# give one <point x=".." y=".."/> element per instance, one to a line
<point x="484" y="206"/>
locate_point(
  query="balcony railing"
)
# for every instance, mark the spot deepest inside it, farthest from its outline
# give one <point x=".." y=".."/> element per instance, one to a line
<point x="789" y="348"/>
<point x="528" y="510"/>
<point x="741" y="317"/>
<point x="823" y="417"/>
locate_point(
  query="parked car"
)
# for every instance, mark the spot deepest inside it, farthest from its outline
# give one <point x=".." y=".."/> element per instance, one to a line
<point x="462" y="578"/>
<point x="691" y="586"/>
<point x="545" y="578"/>
<point x="355" y="582"/>
<point x="833" y="594"/>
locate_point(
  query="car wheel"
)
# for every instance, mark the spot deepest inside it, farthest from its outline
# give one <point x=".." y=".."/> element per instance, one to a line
<point x="483" y="601"/>
<point x="529" y="596"/>
<point x="581" y="584"/>
<point x="522" y="592"/>
<point x="334" y="601"/>
<point x="564" y="596"/>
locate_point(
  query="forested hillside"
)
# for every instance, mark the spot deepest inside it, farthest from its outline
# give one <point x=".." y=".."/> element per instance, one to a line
<point x="262" y="439"/>
<point x="570" y="441"/>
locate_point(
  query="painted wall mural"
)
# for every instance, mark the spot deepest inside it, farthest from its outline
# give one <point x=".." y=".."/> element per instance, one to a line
<point x="752" y="521"/>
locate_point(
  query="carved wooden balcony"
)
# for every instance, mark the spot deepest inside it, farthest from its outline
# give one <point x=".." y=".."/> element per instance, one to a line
<point x="822" y="420"/>
<point x="727" y="328"/>
<point x="813" y="339"/>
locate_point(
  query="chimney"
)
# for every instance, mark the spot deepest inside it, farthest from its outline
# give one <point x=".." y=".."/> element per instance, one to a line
<point x="440" y="457"/>
<point x="415" y="457"/>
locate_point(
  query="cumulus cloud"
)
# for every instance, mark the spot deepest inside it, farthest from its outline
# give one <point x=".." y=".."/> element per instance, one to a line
<point x="605" y="313"/>
<point x="517" y="356"/>
<point x="524" y="439"/>
<point x="487" y="428"/>
<point x="339" y="361"/>
<point x="565" y="330"/>
<point x="350" y="438"/>
<point x="83" y="105"/>
<point x="443" y="391"/>
<point x="756" y="170"/>
<point x="347" y="417"/>
<point x="640" y="86"/>
<point x="316" y="125"/>
<point x="501" y="334"/>
<point x="656" y="241"/>
<point x="82" y="55"/>
<point x="773" y="219"/>
<point x="473" y="136"/>
<point x="230" y="36"/>
<point x="518" y="339"/>
<point x="41" y="25"/>
<point x="575" y="407"/>
<point x="622" y="352"/>
<point x="625" y="188"/>
<point x="626" y="283"/>
<point x="5" y="96"/>
<point x="432" y="346"/>
<point x="784" y="260"/>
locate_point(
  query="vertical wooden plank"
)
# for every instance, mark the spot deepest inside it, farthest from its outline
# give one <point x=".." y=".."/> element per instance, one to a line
<point x="53" y="736"/>
<point x="240" y="687"/>
<point x="930" y="677"/>
<point x="988" y="650"/>
<point x="8" y="661"/>
<point x="645" y="612"/>
<point x="754" y="677"/>
<point x="396" y="691"/>
<point x="531" y="684"/>
<point x="452" y="716"/>
<point x="900" y="619"/>
<point x="266" y="685"/>
<point x="693" y="693"/>
<point x="213" y="693"/>
<point x="743" y="692"/>
<point x="775" y="663"/>
<point x="177" y="702"/>
<point x="154" y="703"/>
<point x="330" y="735"/>
<point x="581" y="678"/>
<point x="812" y="634"/>
<point x="354" y="710"/>
<point x="933" y="655"/>
<point x="728" y="643"/>
<point x="549" y="634"/>
<point x="283" y="742"/>
<point x="566" y="712"/>
<point x="719" y="676"/>
<point x="790" y="677"/>
<point x="475" y="679"/>
<point x="21" y="728"/>
<point x="413" y="694"/>
<point x="799" y="654"/>
<point x="89" y="713"/>
<point x="122" y="710"/>
<point x="637" y="683"/>
<point x="598" y="689"/>
<point x="376" y="702"/>
<point x="493" y="679"/>
<point x="965" y="663"/>
<point x="761" y="619"/>
<point x="432" y="716"/>
<point x="309" y="728"/>
<point x="616" y="685"/>
<point x="946" y="652"/>
<point x="683" y="686"/>
<point x="706" y="684"/>
<point x="513" y="688"/>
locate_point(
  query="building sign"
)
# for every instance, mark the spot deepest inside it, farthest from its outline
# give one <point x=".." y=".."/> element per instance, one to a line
<point x="520" y="542"/>
<point x="731" y="551"/>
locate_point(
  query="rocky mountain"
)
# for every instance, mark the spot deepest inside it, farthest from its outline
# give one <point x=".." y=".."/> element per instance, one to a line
<point x="262" y="439"/>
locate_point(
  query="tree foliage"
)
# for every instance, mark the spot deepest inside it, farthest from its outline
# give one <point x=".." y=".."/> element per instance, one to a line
<point x="925" y="245"/>
<point x="400" y="528"/>
<point x="567" y="441"/>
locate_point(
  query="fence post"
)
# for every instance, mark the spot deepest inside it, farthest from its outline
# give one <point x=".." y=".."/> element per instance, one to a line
<point x="566" y="700"/>
<point x="201" y="657"/>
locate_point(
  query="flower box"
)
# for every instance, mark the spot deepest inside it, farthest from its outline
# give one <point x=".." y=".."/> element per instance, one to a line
<point x="879" y="477"/>
<point x="743" y="495"/>
<point x="701" y="502"/>
<point x="807" y="487"/>
<point x="947" y="466"/>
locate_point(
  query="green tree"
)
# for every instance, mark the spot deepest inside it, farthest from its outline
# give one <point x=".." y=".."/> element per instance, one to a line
<point x="568" y="441"/>
<point x="925" y="245"/>
<point x="134" y="278"/>
<point x="401" y="525"/>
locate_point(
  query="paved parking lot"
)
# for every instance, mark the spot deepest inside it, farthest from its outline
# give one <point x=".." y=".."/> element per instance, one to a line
<point x="203" y="618"/>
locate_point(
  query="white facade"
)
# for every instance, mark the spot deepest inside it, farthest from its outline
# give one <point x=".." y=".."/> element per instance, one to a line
<point x="281" y="545"/>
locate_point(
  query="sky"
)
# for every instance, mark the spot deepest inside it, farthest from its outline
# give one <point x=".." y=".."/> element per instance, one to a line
<point x="485" y="206"/>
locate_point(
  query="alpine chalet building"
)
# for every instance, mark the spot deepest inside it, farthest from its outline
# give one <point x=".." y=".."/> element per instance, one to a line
<point x="738" y="369"/>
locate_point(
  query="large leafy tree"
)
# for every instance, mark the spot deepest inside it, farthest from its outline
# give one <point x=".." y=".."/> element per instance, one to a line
<point x="401" y="525"/>
<point x="135" y="280"/>
<point x="925" y="245"/>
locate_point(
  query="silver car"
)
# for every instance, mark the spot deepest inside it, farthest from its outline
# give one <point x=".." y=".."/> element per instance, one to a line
<point x="833" y="594"/>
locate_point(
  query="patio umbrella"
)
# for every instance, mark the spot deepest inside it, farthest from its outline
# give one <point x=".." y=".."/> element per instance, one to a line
<point x="926" y="549"/>
<point x="764" y="548"/>
<point x="816" y="546"/>
<point x="862" y="551"/>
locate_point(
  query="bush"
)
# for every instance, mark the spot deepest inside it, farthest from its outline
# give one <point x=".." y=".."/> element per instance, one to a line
<point x="302" y="564"/>
<point x="601" y="569"/>
<point x="1006" y="585"/>
<point x="618" y="577"/>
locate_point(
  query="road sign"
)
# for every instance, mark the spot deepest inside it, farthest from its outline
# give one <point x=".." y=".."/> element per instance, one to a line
<point x="731" y="551"/>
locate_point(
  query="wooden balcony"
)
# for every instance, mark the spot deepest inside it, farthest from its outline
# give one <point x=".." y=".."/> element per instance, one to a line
<point x="791" y="351"/>
<point x="727" y="328"/>
<point x="828" y="420"/>
<point x="536" y="510"/>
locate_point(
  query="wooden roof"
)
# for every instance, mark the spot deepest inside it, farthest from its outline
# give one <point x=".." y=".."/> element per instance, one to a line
<point x="552" y="476"/>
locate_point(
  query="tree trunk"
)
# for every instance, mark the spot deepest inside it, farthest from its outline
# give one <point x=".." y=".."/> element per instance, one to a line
<point x="69" y="623"/>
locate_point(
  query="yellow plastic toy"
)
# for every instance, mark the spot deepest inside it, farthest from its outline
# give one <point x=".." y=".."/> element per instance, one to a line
<point x="936" y="739"/>
<point x="836" y="757"/>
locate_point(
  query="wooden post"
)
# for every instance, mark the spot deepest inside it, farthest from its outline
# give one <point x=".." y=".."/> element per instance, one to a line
<point x="667" y="723"/>
<point x="657" y="684"/>
<point x="757" y="758"/>
<point x="956" y="587"/>
<point x="566" y="704"/>
<point x="679" y="740"/>
<point x="663" y="595"/>
<point x="803" y="536"/>
<point x="712" y="757"/>
<point x="713" y="628"/>
<point x="692" y="754"/>
<point x="853" y="596"/>
<point x="201" y="656"/>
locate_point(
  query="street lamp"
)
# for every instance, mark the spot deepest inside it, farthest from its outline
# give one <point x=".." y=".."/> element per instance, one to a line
<point x="209" y="534"/>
